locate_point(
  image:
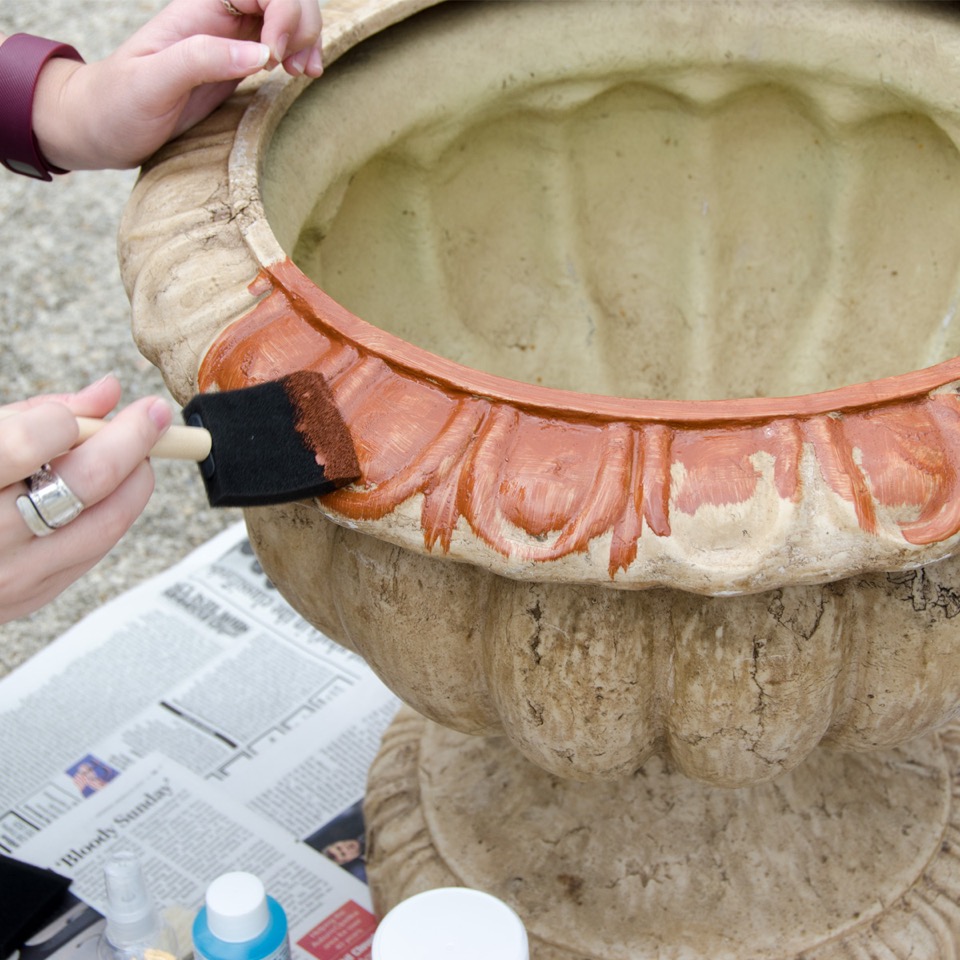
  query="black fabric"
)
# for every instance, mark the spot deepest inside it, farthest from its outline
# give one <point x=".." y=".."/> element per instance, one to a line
<point x="257" y="457"/>
<point x="30" y="897"/>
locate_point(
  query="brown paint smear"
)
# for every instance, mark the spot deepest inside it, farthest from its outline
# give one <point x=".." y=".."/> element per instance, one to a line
<point x="538" y="473"/>
<point x="320" y="424"/>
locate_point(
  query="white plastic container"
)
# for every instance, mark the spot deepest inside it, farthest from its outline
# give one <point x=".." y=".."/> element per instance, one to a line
<point x="240" y="922"/>
<point x="451" y="923"/>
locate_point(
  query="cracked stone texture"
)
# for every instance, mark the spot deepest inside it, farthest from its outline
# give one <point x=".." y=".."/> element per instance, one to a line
<point x="66" y="321"/>
<point x="849" y="855"/>
<point x="590" y="683"/>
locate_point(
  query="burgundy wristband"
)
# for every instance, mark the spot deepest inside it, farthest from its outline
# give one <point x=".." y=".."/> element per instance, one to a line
<point x="22" y="57"/>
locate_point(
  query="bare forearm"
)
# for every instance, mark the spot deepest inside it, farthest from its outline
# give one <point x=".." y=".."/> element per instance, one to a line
<point x="59" y="130"/>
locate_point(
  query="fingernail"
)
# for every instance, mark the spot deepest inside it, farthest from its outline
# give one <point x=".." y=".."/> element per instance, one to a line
<point x="298" y="62"/>
<point x="90" y="387"/>
<point x="249" y="56"/>
<point x="160" y="413"/>
<point x="315" y="63"/>
<point x="281" y="49"/>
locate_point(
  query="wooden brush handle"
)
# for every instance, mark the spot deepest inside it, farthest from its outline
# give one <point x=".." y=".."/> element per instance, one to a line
<point x="178" y="443"/>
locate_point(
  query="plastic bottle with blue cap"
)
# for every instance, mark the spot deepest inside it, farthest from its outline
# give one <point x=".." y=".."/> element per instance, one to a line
<point x="239" y="921"/>
<point x="451" y="923"/>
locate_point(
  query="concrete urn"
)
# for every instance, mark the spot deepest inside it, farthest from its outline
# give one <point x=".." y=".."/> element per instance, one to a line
<point x="642" y="316"/>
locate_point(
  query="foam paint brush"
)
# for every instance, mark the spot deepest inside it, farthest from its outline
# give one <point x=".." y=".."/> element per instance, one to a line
<point x="278" y="441"/>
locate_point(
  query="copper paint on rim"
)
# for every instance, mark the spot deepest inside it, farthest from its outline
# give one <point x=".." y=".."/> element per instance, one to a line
<point x="486" y="449"/>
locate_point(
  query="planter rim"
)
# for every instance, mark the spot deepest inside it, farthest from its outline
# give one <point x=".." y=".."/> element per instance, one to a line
<point x="254" y="132"/>
<point x="664" y="469"/>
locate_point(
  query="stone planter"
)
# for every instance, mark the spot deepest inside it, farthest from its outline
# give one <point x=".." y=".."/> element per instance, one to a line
<point x="642" y="318"/>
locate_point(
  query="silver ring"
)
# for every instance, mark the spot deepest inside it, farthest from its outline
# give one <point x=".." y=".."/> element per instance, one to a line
<point x="49" y="503"/>
<point x="231" y="9"/>
<point x="31" y="518"/>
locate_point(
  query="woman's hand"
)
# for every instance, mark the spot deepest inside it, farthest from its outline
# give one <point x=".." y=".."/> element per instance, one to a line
<point x="109" y="473"/>
<point x="114" y="113"/>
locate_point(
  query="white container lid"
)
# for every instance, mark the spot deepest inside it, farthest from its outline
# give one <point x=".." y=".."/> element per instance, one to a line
<point x="237" y="908"/>
<point x="451" y="922"/>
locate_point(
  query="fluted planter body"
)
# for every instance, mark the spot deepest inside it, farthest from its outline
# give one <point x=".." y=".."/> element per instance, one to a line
<point x="642" y="319"/>
<point x="642" y="316"/>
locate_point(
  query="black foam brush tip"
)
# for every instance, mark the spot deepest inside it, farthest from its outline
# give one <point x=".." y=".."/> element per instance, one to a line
<point x="274" y="442"/>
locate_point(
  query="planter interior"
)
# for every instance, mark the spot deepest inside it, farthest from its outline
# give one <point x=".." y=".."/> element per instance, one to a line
<point x="649" y="224"/>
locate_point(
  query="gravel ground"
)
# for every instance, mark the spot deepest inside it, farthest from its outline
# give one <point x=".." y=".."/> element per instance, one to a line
<point x="66" y="322"/>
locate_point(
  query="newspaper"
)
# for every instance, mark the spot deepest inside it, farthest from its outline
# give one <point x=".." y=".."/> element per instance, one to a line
<point x="199" y="720"/>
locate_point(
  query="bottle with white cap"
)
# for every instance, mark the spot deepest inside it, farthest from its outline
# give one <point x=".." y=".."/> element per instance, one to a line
<point x="451" y="923"/>
<point x="134" y="929"/>
<point x="239" y="921"/>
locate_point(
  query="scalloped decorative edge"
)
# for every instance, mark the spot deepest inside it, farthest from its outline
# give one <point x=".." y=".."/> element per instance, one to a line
<point x="715" y="497"/>
<point x="641" y="493"/>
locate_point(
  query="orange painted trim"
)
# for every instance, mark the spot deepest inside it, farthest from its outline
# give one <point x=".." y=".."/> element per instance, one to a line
<point x="540" y="473"/>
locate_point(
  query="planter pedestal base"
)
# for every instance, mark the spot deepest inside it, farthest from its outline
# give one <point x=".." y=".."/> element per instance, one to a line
<point x="849" y="855"/>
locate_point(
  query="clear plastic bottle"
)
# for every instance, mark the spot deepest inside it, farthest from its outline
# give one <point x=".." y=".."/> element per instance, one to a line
<point x="240" y="922"/>
<point x="135" y="930"/>
<point x="451" y="923"/>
